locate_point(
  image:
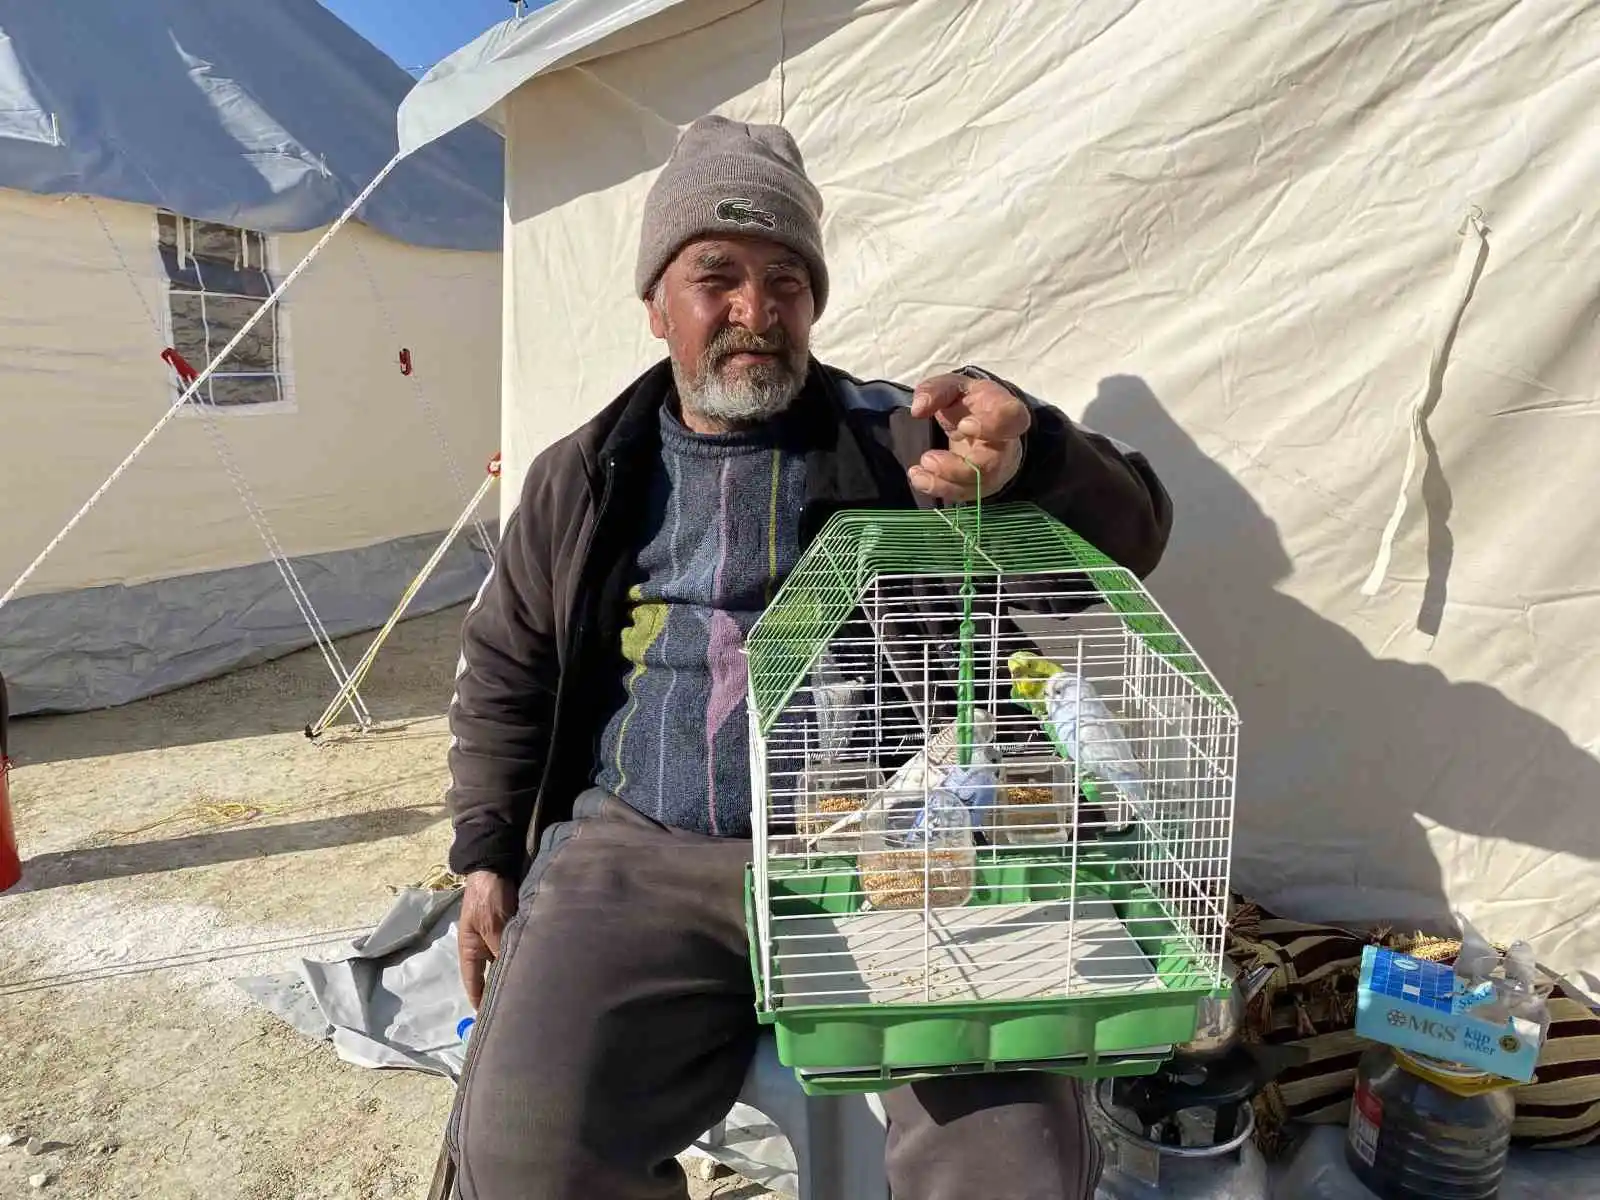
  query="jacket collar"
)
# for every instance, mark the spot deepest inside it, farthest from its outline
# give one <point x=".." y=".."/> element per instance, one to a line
<point x="635" y="428"/>
<point x="846" y="467"/>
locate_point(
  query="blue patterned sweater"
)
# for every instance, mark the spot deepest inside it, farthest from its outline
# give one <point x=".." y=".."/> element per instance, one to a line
<point x="721" y="533"/>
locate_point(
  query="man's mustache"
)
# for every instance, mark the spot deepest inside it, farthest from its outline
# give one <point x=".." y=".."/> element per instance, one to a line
<point x="732" y="341"/>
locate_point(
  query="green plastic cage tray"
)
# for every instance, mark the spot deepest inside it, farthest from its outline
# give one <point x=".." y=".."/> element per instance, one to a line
<point x="1122" y="1027"/>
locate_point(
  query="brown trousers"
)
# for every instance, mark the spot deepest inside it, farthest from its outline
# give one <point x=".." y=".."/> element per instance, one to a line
<point x="620" y="1021"/>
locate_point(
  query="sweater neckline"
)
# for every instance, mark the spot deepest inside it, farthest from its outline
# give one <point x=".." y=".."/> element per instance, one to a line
<point x="680" y="439"/>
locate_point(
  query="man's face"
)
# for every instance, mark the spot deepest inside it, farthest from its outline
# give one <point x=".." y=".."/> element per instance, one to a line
<point x="736" y="315"/>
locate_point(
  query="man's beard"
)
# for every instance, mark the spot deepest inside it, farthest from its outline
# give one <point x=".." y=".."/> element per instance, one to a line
<point x="749" y="395"/>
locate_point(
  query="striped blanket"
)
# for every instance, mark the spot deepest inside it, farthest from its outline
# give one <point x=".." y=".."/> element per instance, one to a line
<point x="1310" y="1002"/>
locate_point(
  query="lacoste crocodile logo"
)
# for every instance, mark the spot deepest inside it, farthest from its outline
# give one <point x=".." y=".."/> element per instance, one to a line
<point x="737" y="211"/>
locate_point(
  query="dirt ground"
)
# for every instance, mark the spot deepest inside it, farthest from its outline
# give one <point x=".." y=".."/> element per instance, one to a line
<point x="173" y="846"/>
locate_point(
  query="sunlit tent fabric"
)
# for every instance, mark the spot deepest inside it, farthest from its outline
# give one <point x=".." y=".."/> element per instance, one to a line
<point x="163" y="165"/>
<point x="1251" y="238"/>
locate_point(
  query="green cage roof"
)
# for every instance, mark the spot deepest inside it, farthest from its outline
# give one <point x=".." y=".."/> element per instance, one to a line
<point x="857" y="546"/>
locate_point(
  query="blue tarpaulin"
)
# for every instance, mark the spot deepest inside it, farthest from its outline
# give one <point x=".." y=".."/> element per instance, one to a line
<point x="271" y="116"/>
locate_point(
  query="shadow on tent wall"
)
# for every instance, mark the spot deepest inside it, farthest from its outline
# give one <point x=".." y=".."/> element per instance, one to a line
<point x="412" y="680"/>
<point x="1342" y="754"/>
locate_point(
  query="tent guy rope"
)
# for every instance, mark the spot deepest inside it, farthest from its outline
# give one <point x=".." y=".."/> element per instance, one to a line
<point x="190" y="378"/>
<point x="347" y="692"/>
<point x="177" y="405"/>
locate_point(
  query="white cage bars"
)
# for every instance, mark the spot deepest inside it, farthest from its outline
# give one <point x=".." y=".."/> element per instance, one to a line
<point x="1031" y="874"/>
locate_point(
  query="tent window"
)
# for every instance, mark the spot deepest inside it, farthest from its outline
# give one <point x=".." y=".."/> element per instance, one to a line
<point x="216" y="279"/>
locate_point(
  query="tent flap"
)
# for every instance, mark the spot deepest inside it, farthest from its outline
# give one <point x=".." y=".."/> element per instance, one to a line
<point x="471" y="83"/>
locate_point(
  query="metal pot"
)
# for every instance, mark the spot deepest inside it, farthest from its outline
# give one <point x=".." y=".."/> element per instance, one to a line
<point x="1221" y="1017"/>
<point x="1138" y="1167"/>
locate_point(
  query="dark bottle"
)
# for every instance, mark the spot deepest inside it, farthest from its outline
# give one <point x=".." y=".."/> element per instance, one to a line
<point x="1423" y="1129"/>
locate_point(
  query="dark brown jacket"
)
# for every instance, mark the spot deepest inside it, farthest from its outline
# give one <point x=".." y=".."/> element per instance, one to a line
<point x="541" y="667"/>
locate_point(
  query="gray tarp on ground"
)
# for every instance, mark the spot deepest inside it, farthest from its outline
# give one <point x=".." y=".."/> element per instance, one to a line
<point x="99" y="647"/>
<point x="268" y="116"/>
<point x="395" y="1001"/>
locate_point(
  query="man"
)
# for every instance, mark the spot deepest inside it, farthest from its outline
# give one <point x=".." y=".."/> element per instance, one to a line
<point x="599" y="717"/>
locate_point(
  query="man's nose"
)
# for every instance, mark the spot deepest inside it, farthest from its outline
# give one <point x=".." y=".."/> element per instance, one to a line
<point x="755" y="307"/>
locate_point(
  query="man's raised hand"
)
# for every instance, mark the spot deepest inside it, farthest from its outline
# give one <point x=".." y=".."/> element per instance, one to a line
<point x="984" y="423"/>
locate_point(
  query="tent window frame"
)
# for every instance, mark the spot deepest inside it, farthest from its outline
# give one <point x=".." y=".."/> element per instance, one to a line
<point x="215" y="275"/>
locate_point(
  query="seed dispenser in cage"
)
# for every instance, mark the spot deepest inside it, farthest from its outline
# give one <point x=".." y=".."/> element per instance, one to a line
<point x="993" y="806"/>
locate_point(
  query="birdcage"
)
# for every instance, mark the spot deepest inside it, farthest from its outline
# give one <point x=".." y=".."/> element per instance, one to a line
<point x="993" y="806"/>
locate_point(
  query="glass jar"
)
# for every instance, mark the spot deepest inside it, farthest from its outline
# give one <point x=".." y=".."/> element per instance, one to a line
<point x="831" y="792"/>
<point x="1424" y="1129"/>
<point x="917" y="852"/>
<point x="1033" y="804"/>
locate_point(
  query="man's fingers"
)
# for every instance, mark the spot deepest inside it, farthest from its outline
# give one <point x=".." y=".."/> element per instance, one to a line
<point x="952" y="468"/>
<point x="944" y="475"/>
<point x="977" y="409"/>
<point x="474" y="967"/>
<point x="479" y="945"/>
<point x="938" y="487"/>
<point x="487" y="904"/>
<point x="950" y="475"/>
<point x="995" y="416"/>
<point x="491" y="930"/>
<point x="935" y="394"/>
<point x="968" y="465"/>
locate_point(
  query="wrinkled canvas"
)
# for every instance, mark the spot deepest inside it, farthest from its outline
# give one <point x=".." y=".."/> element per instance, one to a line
<point x="1253" y="239"/>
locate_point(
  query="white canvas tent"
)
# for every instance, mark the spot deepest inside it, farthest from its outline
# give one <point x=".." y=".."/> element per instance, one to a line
<point x="1238" y="236"/>
<point x="162" y="166"/>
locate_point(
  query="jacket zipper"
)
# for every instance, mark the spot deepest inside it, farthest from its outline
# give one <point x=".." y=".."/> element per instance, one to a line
<point x="584" y="603"/>
<point x="586" y="568"/>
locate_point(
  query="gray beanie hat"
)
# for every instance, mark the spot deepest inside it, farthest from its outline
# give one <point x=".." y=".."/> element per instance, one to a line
<point x="726" y="177"/>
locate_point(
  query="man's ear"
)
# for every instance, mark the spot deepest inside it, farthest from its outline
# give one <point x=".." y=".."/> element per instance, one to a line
<point x="658" y="319"/>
